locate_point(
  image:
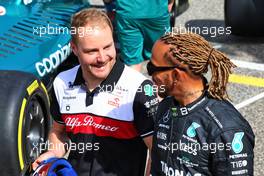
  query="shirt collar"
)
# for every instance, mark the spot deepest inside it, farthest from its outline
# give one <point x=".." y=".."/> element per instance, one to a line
<point x="178" y="110"/>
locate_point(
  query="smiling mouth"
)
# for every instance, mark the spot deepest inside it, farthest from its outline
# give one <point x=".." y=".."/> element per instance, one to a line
<point x="99" y="67"/>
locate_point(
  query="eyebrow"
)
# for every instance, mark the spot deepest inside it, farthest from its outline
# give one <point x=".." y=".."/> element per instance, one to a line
<point x="87" y="50"/>
<point x="108" y="45"/>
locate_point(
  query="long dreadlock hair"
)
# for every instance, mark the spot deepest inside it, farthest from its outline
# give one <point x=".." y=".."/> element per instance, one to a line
<point x="193" y="50"/>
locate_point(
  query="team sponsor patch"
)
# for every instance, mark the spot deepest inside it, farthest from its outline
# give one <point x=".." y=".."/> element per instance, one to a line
<point x="191" y="131"/>
<point x="114" y="102"/>
<point x="237" y="144"/>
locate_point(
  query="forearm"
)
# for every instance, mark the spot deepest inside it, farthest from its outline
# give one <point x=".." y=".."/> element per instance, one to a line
<point x="148" y="143"/>
<point x="148" y="164"/>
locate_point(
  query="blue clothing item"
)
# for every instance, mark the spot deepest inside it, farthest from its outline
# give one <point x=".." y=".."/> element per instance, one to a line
<point x="55" y="167"/>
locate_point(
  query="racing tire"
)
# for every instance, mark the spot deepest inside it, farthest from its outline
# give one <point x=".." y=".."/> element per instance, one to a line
<point x="245" y="17"/>
<point x="25" y="122"/>
<point x="178" y="8"/>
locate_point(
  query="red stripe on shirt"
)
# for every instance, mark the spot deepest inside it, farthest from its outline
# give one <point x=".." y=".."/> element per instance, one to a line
<point x="100" y="126"/>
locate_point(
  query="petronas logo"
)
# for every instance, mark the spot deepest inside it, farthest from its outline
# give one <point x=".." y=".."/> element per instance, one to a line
<point x="191" y="131"/>
<point x="237" y="144"/>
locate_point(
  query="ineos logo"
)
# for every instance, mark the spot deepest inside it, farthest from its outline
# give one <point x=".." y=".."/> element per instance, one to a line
<point x="54" y="60"/>
<point x="184" y="111"/>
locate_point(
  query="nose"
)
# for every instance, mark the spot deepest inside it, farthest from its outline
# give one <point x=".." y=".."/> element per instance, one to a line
<point x="101" y="56"/>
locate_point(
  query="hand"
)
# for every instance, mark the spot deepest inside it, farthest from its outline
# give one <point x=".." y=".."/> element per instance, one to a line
<point x="170" y="5"/>
<point x="41" y="158"/>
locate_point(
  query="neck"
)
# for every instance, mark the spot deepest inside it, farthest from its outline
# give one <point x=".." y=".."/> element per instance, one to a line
<point x="190" y="92"/>
<point x="91" y="85"/>
<point x="189" y="97"/>
<point x="91" y="82"/>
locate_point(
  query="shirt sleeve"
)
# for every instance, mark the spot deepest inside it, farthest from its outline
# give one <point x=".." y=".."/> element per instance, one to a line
<point x="144" y="108"/>
<point x="234" y="154"/>
<point x="54" y="107"/>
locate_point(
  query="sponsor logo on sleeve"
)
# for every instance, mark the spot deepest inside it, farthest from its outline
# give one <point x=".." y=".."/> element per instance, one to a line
<point x="152" y="102"/>
<point x="239" y="164"/>
<point x="240" y="172"/>
<point x="237" y="144"/>
<point x="161" y="135"/>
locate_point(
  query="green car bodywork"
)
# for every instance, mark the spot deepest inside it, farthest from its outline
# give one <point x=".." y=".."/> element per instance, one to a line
<point x="34" y="43"/>
<point x="35" y="35"/>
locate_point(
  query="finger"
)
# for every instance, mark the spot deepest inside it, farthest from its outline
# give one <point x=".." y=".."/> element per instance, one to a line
<point x="35" y="165"/>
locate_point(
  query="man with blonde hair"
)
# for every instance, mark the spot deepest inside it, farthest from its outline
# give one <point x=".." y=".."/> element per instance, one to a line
<point x="104" y="107"/>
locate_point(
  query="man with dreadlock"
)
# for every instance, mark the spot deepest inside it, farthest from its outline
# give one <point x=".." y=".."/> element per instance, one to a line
<point x="197" y="131"/>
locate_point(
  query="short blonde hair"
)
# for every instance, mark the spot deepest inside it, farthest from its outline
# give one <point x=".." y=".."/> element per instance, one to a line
<point x="91" y="16"/>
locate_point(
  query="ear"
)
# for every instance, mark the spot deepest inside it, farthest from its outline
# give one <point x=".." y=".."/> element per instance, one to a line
<point x="74" y="48"/>
<point x="176" y="74"/>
